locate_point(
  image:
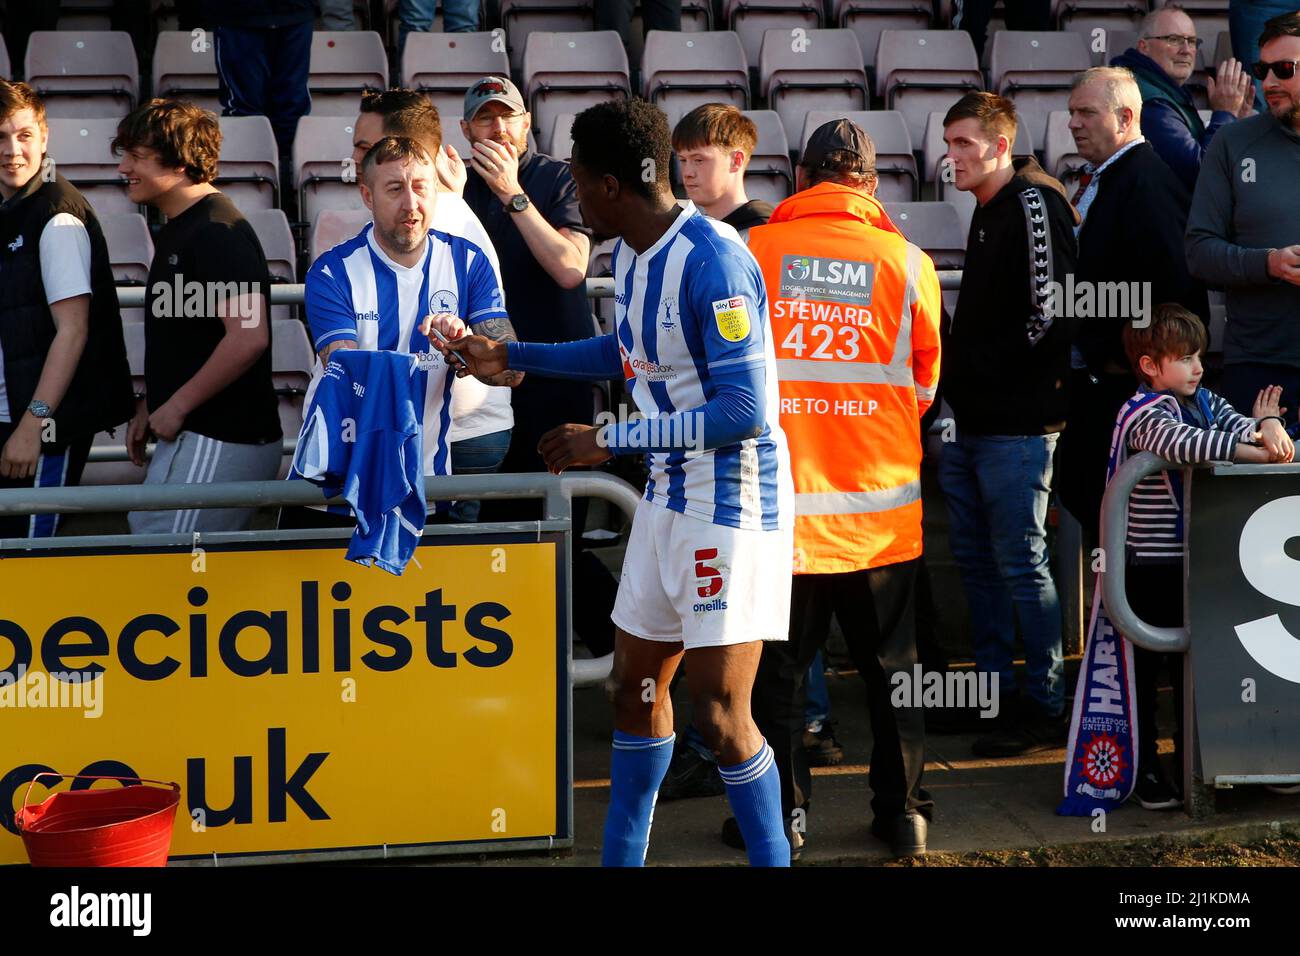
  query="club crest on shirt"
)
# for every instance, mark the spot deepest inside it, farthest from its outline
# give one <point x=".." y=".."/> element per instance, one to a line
<point x="442" y="301"/>
<point x="668" y="316"/>
<point x="732" y="318"/>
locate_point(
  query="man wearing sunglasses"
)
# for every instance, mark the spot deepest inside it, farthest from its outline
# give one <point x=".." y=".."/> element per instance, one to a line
<point x="1162" y="63"/>
<point x="1243" y="234"/>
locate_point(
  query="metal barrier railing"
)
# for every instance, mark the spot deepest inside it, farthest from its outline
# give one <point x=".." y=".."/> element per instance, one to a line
<point x="556" y="493"/>
<point x="1114" y="534"/>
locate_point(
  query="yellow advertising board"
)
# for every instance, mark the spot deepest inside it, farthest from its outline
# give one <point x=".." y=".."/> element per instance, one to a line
<point x="303" y="702"/>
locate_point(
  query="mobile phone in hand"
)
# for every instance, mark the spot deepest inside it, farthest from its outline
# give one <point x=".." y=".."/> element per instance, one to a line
<point x="455" y="356"/>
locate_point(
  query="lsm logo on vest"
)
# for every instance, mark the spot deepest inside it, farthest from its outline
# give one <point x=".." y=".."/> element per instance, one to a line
<point x="1273" y="573"/>
<point x="827" y="280"/>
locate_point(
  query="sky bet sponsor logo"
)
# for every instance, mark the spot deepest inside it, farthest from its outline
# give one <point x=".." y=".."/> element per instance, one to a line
<point x="827" y="280"/>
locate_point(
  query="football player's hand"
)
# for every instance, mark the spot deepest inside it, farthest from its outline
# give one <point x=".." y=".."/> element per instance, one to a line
<point x="570" y="445"/>
<point x="484" y="357"/>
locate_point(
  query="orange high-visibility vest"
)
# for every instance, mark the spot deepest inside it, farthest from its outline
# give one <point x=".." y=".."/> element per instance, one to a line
<point x="854" y="310"/>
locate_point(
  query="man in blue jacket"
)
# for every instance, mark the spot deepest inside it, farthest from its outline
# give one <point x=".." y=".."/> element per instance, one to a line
<point x="1162" y="63"/>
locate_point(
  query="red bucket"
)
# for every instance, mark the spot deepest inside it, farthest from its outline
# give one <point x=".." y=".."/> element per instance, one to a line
<point x="124" y="826"/>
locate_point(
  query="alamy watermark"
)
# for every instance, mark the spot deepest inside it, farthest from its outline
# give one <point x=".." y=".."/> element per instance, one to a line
<point x="963" y="690"/>
<point x="191" y="300"/>
<point x="683" y="432"/>
<point x="76" y="690"/>
<point x="1098" y="300"/>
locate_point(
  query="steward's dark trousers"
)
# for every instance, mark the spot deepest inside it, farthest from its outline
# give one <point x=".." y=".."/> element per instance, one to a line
<point x="875" y="608"/>
<point x="264" y="73"/>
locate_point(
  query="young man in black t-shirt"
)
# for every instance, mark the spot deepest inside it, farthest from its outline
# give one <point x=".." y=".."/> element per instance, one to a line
<point x="208" y="393"/>
<point x="713" y="143"/>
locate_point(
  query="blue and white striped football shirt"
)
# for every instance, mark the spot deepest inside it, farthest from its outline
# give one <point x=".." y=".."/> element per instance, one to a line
<point x="692" y="304"/>
<point x="355" y="291"/>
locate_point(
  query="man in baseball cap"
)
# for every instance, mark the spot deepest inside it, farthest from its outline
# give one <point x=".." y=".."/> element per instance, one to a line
<point x="840" y="146"/>
<point x="854" y="309"/>
<point x="528" y="203"/>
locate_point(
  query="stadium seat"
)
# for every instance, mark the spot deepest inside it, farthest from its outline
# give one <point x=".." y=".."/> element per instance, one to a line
<point x="6" y="71"/>
<point x="344" y="64"/>
<point x="769" y="176"/>
<point x="333" y="226"/>
<point x="444" y="65"/>
<point x="868" y="19"/>
<point x="292" y="357"/>
<point x="130" y="247"/>
<point x="1035" y="70"/>
<point x="134" y="336"/>
<point x="963" y="202"/>
<point x="697" y="16"/>
<point x="1222" y="49"/>
<point x="935" y="227"/>
<point x="249" y="172"/>
<point x="81" y="150"/>
<point x="130" y="251"/>
<point x="91" y="73"/>
<point x="567" y="72"/>
<point x="1210" y="17"/>
<point x="1086" y="16"/>
<point x="919" y="71"/>
<point x="276" y="238"/>
<point x="819" y="71"/>
<point x="751" y="19"/>
<point x="600" y="264"/>
<point x="523" y="18"/>
<point x="681" y="71"/>
<point x="1060" y="158"/>
<point x="933" y="147"/>
<point x="895" y="164"/>
<point x="1117" y="41"/>
<point x="560" y="145"/>
<point x="181" y="71"/>
<point x="323" y="171"/>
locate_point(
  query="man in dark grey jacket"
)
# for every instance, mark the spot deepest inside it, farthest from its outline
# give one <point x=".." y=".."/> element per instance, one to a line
<point x="1243" y="234"/>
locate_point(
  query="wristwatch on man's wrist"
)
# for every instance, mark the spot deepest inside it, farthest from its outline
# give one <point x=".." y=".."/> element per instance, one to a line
<point x="518" y="203"/>
<point x="39" y="408"/>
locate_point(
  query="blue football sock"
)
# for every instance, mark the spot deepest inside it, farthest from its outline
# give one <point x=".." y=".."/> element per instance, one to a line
<point x="754" y="790"/>
<point x="636" y="769"/>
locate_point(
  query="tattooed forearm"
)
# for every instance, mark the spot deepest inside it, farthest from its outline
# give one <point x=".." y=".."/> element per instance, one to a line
<point x="500" y="330"/>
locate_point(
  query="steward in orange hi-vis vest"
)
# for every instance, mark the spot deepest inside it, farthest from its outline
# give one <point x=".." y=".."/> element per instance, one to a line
<point x="854" y="309"/>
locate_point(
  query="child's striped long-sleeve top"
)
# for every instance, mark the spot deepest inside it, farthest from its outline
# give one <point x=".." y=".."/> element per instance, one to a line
<point x="1208" y="429"/>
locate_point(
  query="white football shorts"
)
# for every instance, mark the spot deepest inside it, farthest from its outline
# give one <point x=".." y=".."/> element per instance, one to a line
<point x="703" y="584"/>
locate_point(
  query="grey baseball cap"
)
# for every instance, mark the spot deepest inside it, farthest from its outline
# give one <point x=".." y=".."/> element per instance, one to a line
<point x="492" y="89"/>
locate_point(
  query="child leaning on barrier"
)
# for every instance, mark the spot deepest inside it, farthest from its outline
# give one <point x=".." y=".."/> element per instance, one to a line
<point x="1175" y="418"/>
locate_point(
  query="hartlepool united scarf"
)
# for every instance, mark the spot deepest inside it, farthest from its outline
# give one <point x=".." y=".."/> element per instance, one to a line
<point x="1101" y="756"/>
